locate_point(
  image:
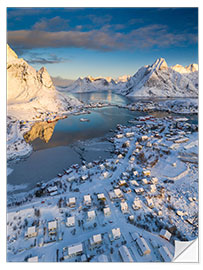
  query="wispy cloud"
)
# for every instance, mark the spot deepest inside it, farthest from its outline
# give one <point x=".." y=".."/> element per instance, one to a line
<point x="22" y="12"/>
<point x="103" y="39"/>
<point x="36" y="58"/>
<point x="53" y="24"/>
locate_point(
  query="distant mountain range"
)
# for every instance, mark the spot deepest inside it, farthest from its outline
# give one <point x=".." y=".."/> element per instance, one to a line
<point x="152" y="80"/>
<point x="29" y="90"/>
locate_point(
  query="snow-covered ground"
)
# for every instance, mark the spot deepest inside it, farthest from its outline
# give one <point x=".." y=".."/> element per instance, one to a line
<point x="155" y="166"/>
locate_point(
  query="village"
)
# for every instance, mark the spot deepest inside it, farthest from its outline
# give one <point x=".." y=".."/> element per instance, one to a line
<point x="128" y="208"/>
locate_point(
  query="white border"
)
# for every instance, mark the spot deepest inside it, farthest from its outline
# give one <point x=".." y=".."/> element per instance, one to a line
<point x="75" y="3"/>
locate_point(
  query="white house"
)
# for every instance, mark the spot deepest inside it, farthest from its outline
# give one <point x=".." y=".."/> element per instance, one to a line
<point x="132" y="159"/>
<point x="118" y="193"/>
<point x="122" y="183"/>
<point x="165" y="234"/>
<point x="134" y="183"/>
<point x="149" y="202"/>
<point x="129" y="134"/>
<point x="131" y="218"/>
<point x="87" y="200"/>
<point x="119" y="136"/>
<point x="70" y="221"/>
<point x="101" y="196"/>
<point x="71" y="202"/>
<point x="52" y="189"/>
<point x="124" y="207"/>
<point x="143" y="246"/>
<point x="31" y="232"/>
<point x="107" y="211"/>
<point x="139" y="190"/>
<point x="102" y="167"/>
<point x="33" y="259"/>
<point x="71" y="178"/>
<point x="154" y="180"/>
<point x="96" y="240"/>
<point x="90" y="165"/>
<point x="144" y="138"/>
<point x="146" y="172"/>
<point x="125" y="254"/>
<point x="136" y="204"/>
<point x="125" y="175"/>
<point x="83" y="168"/>
<point x="135" y="173"/>
<point x="52" y="226"/>
<point x="165" y="254"/>
<point x="91" y="215"/>
<point x="75" y="250"/>
<point x="152" y="188"/>
<point x="105" y="174"/>
<point x="116" y="233"/>
<point x="144" y="181"/>
<point x="84" y="177"/>
<point x="126" y="144"/>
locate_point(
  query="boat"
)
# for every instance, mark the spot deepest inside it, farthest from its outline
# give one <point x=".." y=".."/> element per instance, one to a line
<point x="84" y="120"/>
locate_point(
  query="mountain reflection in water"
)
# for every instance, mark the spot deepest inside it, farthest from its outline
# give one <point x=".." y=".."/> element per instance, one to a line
<point x="42" y="130"/>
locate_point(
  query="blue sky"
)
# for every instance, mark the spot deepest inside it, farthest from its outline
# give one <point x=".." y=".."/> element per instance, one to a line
<point x="73" y="42"/>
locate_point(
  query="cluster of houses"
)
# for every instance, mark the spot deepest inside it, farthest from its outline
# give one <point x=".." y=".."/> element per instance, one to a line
<point x="133" y="190"/>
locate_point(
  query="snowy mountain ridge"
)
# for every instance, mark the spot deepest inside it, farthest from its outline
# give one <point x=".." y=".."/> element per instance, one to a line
<point x="159" y="80"/>
<point x="186" y="69"/>
<point x="89" y="84"/>
<point x="152" y="80"/>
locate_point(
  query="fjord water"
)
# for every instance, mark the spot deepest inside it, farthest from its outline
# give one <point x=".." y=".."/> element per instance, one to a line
<point x="58" y="146"/>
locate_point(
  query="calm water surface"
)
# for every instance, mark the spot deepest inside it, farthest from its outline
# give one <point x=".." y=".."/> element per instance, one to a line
<point x="58" y="145"/>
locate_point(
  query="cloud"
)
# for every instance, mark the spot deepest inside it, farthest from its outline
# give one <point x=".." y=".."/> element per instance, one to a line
<point x="103" y="39"/>
<point x="41" y="39"/>
<point x="16" y="13"/>
<point x="54" y="24"/>
<point x="35" y="58"/>
<point x="99" y="20"/>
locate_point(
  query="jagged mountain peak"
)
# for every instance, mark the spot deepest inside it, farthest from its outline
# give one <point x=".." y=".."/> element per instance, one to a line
<point x="192" y="67"/>
<point x="45" y="78"/>
<point x="159" y="64"/>
<point x="187" y="69"/>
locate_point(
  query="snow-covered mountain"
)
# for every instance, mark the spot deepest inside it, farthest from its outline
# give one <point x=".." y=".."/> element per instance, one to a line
<point x="29" y="90"/>
<point x="123" y="78"/>
<point x="159" y="80"/>
<point x="186" y="69"/>
<point x="152" y="80"/>
<point x="89" y="84"/>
